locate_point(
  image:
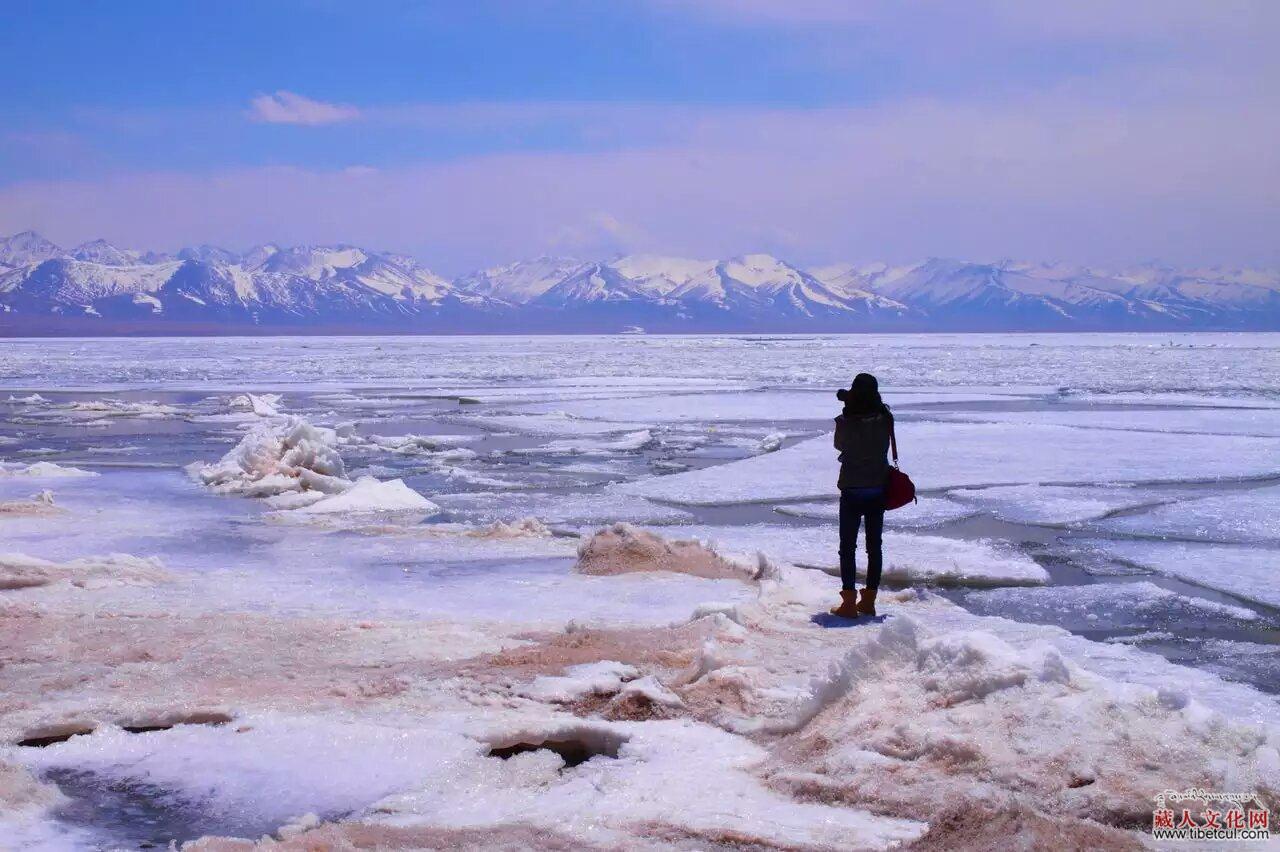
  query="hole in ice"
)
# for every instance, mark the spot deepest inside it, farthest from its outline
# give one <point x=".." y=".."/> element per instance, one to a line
<point x="575" y="745"/>
<point x="54" y="734"/>
<point x="574" y="752"/>
<point x="164" y="723"/>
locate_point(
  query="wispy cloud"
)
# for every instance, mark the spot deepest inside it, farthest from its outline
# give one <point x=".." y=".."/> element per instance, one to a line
<point x="291" y="108"/>
<point x="1056" y="180"/>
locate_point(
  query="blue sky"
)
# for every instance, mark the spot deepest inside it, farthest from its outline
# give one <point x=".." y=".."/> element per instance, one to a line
<point x="477" y="132"/>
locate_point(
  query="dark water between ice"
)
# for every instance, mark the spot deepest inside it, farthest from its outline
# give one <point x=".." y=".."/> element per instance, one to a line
<point x="132" y="814"/>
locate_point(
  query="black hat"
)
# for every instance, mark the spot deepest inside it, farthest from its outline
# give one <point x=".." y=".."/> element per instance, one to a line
<point x="862" y="382"/>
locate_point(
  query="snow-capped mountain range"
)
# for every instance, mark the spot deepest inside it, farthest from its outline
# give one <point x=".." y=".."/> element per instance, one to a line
<point x="100" y="288"/>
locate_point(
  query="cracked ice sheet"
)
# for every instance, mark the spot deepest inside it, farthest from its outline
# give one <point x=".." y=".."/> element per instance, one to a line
<point x="908" y="558"/>
<point x="1238" y="516"/>
<point x="1255" y="422"/>
<point x="944" y="455"/>
<point x="765" y="405"/>
<point x="1248" y="573"/>
<point x="1055" y="504"/>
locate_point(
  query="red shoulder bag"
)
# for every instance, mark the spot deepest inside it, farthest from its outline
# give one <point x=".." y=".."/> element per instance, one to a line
<point x="899" y="490"/>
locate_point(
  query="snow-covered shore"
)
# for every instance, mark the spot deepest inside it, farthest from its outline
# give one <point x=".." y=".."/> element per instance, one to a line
<point x="747" y="722"/>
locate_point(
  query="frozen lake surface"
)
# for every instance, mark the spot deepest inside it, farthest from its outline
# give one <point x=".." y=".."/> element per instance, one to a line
<point x="366" y="550"/>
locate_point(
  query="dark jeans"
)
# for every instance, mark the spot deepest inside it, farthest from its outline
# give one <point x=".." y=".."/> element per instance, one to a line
<point x="856" y="504"/>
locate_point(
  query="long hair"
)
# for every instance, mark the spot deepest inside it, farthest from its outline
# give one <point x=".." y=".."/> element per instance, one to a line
<point x="863" y="396"/>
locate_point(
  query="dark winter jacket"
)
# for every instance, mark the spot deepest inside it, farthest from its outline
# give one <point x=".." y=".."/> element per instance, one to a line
<point x="863" y="443"/>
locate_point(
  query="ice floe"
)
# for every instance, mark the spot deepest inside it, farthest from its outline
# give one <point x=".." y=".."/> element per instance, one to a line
<point x="1248" y="573"/>
<point x="1056" y="504"/>
<point x="44" y="470"/>
<point x="259" y="405"/>
<point x="1251" y="515"/>
<point x="943" y="456"/>
<point x="244" y="409"/>
<point x="103" y="409"/>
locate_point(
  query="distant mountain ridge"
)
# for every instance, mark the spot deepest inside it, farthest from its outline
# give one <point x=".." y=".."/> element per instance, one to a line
<point x="98" y="288"/>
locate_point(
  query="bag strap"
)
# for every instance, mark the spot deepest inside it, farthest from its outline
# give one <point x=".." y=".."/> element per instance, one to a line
<point x="893" y="441"/>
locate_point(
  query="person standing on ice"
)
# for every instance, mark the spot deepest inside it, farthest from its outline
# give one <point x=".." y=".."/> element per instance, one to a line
<point x="862" y="437"/>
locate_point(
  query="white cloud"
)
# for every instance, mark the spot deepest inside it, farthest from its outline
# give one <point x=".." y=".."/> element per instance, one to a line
<point x="290" y="108"/>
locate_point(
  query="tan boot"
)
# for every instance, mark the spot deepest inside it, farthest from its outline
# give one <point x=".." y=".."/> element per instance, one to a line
<point x="848" y="604"/>
<point x="867" y="606"/>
